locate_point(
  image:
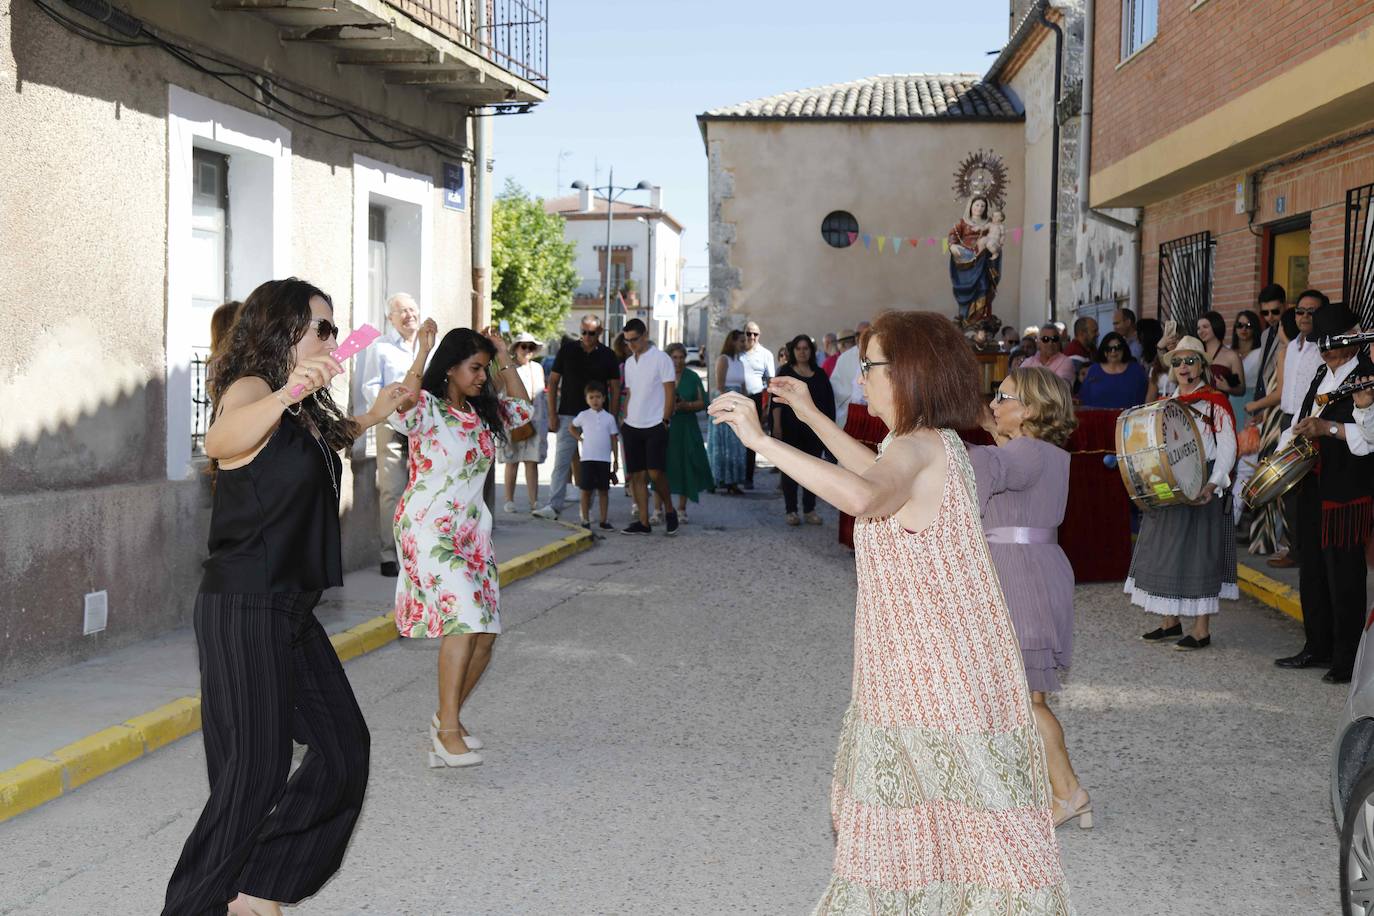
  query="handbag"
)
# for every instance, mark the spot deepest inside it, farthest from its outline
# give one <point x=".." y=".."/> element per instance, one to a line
<point x="1248" y="442"/>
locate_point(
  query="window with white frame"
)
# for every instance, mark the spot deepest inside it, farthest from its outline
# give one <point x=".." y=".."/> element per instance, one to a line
<point x="228" y="207"/>
<point x="1139" y="23"/>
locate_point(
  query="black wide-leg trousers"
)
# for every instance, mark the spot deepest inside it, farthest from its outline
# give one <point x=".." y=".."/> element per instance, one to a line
<point x="269" y="675"/>
<point x="1331" y="586"/>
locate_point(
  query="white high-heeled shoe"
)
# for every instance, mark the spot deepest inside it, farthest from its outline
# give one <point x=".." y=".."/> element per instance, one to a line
<point x="470" y="740"/>
<point x="440" y="758"/>
<point x="1078" y="806"/>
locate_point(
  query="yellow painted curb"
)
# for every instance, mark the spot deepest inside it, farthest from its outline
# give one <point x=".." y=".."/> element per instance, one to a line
<point x="40" y="780"/>
<point x="1269" y="591"/>
<point x="29" y="785"/>
<point x="95" y="755"/>
<point x="168" y="723"/>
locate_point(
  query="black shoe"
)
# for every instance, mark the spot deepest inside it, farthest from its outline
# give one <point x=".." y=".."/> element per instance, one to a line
<point x="637" y="528"/>
<point x="607" y="526"/>
<point x="1303" y="659"/>
<point x="587" y="525"/>
<point x="1336" y="677"/>
<point x="670" y="523"/>
<point x="1188" y="643"/>
<point x="390" y="570"/>
<point x="1159" y="633"/>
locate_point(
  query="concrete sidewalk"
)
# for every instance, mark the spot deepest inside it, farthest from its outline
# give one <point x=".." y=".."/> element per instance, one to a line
<point x="69" y="726"/>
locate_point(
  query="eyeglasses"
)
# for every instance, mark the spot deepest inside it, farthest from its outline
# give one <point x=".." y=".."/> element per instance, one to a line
<point x="596" y="333"/>
<point x="325" y="328"/>
<point x="1045" y="338"/>
<point x="999" y="396"/>
<point x="866" y="365"/>
<point x="751" y="333"/>
<point x="632" y="340"/>
<point x="1268" y="313"/>
<point x="1244" y="327"/>
<point x="1303" y="311"/>
<point x="1185" y="361"/>
<point x="1113" y="348"/>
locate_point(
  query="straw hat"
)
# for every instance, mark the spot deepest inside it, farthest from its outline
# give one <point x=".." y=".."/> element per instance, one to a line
<point x="524" y="337"/>
<point x="1189" y="344"/>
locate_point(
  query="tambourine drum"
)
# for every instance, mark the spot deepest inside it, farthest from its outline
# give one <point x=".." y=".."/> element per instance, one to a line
<point x="1280" y="472"/>
<point x="1159" y="453"/>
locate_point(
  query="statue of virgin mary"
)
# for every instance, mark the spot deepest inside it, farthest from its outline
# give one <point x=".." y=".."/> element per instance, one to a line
<point x="975" y="262"/>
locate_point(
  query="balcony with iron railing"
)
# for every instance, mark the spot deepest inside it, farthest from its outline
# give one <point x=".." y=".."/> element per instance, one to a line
<point x="478" y="53"/>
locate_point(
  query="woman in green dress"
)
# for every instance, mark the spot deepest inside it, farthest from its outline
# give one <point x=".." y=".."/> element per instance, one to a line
<point x="689" y="470"/>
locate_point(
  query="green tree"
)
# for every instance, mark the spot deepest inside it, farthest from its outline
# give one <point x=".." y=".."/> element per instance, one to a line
<point x="533" y="277"/>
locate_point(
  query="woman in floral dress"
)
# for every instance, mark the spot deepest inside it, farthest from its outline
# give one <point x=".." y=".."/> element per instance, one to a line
<point x="448" y="586"/>
<point x="940" y="800"/>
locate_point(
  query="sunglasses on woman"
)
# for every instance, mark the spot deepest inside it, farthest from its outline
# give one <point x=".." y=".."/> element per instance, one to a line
<point x="325" y="328"/>
<point x="1185" y="361"/>
<point x="1114" y="348"/>
<point x="1244" y="327"/>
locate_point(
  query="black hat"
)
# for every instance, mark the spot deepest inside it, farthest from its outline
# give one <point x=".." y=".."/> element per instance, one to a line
<point x="1332" y="319"/>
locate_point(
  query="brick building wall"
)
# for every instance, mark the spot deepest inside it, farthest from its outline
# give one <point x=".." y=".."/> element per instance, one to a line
<point x="1202" y="56"/>
<point x="1312" y="180"/>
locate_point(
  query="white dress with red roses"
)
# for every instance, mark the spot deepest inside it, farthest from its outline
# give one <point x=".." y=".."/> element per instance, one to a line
<point x="448" y="581"/>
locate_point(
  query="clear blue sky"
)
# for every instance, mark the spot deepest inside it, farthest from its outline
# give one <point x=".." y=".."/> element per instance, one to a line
<point x="627" y="79"/>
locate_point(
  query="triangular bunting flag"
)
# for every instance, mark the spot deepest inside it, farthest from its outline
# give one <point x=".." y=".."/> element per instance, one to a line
<point x="1016" y="234"/>
<point x="914" y="242"/>
<point x="853" y="237"/>
<point x="944" y="245"/>
<point x="867" y="239"/>
<point x="882" y="239"/>
<point x="897" y="241"/>
<point x="930" y="241"/>
<point x="1039" y="226"/>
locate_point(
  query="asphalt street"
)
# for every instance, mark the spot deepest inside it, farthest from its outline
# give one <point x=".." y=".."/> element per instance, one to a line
<point x="661" y="718"/>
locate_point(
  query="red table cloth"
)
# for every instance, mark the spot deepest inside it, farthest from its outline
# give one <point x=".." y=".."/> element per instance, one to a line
<point x="1096" y="534"/>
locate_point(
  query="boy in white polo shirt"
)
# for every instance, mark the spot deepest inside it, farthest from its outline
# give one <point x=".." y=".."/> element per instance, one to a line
<point x="652" y="381"/>
<point x="596" y="433"/>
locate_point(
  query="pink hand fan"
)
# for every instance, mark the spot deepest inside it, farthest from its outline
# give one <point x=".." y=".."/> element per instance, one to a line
<point x="352" y="345"/>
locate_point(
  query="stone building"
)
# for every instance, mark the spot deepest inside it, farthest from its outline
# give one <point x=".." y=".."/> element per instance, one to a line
<point x="882" y="152"/>
<point x="144" y="182"/>
<point x="646" y="254"/>
<point x="808" y="191"/>
<point x="1260" y="167"/>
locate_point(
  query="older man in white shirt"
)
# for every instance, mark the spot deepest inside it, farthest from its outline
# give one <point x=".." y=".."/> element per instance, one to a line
<point x="759" y="367"/>
<point x="390" y="360"/>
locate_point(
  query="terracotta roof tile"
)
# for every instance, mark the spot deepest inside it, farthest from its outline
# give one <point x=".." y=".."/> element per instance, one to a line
<point x="903" y="96"/>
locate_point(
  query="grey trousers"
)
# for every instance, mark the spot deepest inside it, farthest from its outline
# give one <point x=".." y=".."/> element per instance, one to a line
<point x="392" y="477"/>
<point x="565" y="464"/>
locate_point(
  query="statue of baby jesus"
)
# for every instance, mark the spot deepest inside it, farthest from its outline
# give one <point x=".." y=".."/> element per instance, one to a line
<point x="995" y="236"/>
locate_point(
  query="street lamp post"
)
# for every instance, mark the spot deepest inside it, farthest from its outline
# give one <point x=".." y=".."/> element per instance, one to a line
<point x="612" y="194"/>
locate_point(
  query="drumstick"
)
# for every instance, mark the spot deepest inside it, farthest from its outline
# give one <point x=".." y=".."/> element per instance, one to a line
<point x="352" y="345"/>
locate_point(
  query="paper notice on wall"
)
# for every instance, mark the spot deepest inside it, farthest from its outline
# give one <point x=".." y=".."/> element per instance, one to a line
<point x="665" y="307"/>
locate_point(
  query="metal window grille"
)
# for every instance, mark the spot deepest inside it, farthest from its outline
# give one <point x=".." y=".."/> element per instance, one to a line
<point x="837" y="226"/>
<point x="1139" y="24"/>
<point x="1185" y="279"/>
<point x="1357" y="276"/>
<point x="200" y="400"/>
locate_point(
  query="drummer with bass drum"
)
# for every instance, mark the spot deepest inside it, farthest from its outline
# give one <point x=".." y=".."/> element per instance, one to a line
<point x="1185" y="557"/>
<point x="1335" y="502"/>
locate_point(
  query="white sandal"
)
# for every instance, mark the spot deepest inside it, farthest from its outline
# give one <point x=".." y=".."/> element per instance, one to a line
<point x="470" y="739"/>
<point x="440" y="758"/>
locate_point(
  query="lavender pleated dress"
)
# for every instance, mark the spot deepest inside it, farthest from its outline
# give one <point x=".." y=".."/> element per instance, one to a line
<point x="1025" y="484"/>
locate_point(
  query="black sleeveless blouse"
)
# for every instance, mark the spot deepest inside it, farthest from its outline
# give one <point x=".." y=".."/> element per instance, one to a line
<point x="274" y="523"/>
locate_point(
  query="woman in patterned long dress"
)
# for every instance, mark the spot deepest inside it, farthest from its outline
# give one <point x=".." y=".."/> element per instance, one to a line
<point x="941" y="800"/>
<point x="448" y="586"/>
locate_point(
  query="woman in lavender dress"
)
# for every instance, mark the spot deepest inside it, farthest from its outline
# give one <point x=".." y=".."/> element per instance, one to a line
<point x="1023" y="488"/>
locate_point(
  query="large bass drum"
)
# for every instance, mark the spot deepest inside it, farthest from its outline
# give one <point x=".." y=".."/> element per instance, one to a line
<point x="1280" y="472"/>
<point x="1160" y="455"/>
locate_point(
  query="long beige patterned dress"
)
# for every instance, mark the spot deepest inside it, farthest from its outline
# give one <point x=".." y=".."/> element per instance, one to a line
<point x="941" y="799"/>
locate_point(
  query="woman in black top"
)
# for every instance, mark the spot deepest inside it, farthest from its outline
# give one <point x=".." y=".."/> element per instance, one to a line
<point x="268" y="671"/>
<point x="801" y="364"/>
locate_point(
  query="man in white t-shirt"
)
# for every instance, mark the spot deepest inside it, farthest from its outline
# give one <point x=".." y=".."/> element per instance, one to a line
<point x="759" y="367"/>
<point x="652" y="380"/>
<point x="846" y="368"/>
